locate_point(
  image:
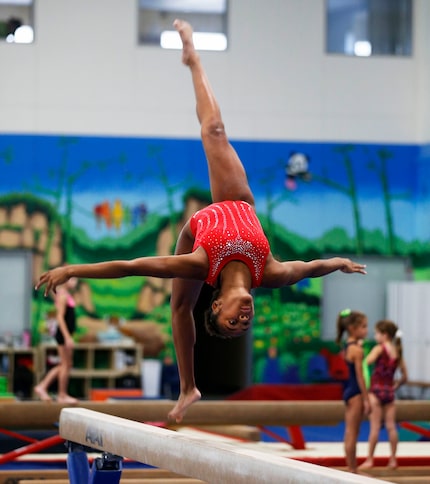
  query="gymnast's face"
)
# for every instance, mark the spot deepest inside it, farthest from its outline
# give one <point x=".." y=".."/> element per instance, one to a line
<point x="234" y="314"/>
<point x="380" y="337"/>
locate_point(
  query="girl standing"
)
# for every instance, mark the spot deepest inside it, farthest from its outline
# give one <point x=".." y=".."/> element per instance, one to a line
<point x="355" y="395"/>
<point x="387" y="357"/>
<point x="66" y="319"/>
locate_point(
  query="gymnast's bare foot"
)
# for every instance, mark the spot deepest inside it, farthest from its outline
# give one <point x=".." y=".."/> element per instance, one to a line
<point x="185" y="31"/>
<point x="42" y="394"/>
<point x="367" y="464"/>
<point x="185" y="400"/>
<point x="67" y="399"/>
<point x="392" y="463"/>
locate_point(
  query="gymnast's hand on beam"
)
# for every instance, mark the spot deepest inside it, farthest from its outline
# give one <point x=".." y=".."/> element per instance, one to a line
<point x="52" y="279"/>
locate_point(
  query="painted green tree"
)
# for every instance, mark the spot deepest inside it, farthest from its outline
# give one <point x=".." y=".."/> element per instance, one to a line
<point x="156" y="152"/>
<point x="350" y="190"/>
<point x="56" y="196"/>
<point x="273" y="201"/>
<point x="380" y="168"/>
<point x="65" y="180"/>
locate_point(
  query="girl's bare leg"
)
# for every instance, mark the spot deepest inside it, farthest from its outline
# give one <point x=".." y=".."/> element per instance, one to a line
<point x="185" y="293"/>
<point x="393" y="436"/>
<point x="227" y="175"/>
<point x="66" y="355"/>
<point x="353" y="414"/>
<point x="41" y="390"/>
<point x="375" y="427"/>
<point x="42" y="394"/>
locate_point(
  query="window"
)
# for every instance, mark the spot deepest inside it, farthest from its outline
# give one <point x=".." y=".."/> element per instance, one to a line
<point x="16" y="21"/>
<point x="208" y="18"/>
<point x="369" y="27"/>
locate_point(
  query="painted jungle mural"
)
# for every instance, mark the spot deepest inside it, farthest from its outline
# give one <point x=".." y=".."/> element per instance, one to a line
<point x="89" y="199"/>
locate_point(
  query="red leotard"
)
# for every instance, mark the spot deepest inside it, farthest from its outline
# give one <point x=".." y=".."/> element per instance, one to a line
<point x="227" y="231"/>
<point x="382" y="380"/>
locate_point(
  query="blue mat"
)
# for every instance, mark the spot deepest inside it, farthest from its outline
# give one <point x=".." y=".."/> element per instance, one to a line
<point x="319" y="433"/>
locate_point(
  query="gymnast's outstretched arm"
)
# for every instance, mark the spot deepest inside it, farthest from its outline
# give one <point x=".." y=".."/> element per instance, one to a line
<point x="187" y="266"/>
<point x="278" y="274"/>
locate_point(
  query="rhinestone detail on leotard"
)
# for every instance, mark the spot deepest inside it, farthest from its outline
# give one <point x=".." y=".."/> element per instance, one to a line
<point x="231" y="231"/>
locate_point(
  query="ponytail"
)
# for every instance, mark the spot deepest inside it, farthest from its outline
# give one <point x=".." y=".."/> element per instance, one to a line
<point x="398" y="344"/>
<point x="340" y="324"/>
<point x="347" y="319"/>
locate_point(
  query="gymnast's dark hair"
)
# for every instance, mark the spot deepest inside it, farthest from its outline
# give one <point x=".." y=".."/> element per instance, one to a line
<point x="211" y="319"/>
<point x="391" y="329"/>
<point x="347" y="319"/>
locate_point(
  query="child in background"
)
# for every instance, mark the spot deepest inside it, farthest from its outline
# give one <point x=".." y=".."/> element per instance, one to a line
<point x="66" y="321"/>
<point x="355" y="393"/>
<point x="387" y="356"/>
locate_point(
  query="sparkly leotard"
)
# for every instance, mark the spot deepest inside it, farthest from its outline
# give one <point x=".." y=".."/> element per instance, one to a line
<point x="227" y="231"/>
<point x="382" y="380"/>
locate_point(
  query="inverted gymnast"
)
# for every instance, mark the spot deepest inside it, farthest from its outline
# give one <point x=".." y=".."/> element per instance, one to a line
<point x="222" y="244"/>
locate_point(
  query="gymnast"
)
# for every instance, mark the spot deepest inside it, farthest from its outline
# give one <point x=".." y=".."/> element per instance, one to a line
<point x="222" y="244"/>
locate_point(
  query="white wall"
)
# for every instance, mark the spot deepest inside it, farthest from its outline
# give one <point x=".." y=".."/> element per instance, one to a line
<point x="86" y="75"/>
<point x="408" y="304"/>
<point x="422" y="48"/>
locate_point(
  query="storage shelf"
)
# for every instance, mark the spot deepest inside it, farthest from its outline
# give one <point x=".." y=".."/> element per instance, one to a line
<point x="96" y="365"/>
<point x="76" y="373"/>
<point x="19" y="365"/>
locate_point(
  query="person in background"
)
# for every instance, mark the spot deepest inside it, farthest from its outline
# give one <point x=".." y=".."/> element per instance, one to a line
<point x="66" y="326"/>
<point x="223" y="245"/>
<point x="355" y="395"/>
<point x="387" y="356"/>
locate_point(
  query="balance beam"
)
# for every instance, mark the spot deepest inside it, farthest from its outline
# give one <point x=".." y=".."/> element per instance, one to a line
<point x="209" y="461"/>
<point x="41" y="415"/>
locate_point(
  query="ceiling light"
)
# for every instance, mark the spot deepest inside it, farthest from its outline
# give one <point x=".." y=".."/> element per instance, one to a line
<point x="170" y="39"/>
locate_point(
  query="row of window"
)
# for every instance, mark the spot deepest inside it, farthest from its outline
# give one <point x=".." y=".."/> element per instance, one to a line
<point x="353" y="27"/>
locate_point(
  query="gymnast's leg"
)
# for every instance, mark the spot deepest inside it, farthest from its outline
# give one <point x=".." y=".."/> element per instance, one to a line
<point x="185" y="293"/>
<point x="227" y="175"/>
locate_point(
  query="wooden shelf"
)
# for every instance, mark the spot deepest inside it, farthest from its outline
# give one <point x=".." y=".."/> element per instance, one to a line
<point x="18" y="366"/>
<point x="95" y="365"/>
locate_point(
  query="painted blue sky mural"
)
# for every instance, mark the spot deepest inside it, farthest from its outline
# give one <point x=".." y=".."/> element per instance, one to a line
<point x="139" y="176"/>
<point x="121" y="198"/>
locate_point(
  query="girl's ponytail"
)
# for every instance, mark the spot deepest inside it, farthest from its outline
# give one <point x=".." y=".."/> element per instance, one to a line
<point x="346" y="319"/>
<point x="341" y="324"/>
<point x="398" y="343"/>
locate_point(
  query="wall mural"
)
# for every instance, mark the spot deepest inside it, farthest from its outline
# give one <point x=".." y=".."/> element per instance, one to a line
<point x="89" y="199"/>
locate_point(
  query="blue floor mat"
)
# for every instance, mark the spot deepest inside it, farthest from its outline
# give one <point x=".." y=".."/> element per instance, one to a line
<point x="320" y="433"/>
